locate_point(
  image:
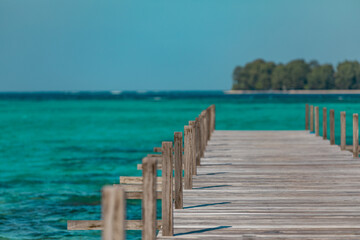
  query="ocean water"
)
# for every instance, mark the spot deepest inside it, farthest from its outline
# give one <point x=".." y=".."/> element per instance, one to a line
<point x="58" y="149"/>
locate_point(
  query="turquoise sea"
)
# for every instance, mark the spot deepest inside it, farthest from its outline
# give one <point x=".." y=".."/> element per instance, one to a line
<point x="58" y="149"/>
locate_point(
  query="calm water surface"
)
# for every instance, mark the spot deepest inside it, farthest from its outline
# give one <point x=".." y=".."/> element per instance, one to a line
<point x="58" y="149"/>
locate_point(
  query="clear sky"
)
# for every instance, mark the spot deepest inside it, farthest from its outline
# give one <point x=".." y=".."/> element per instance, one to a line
<point x="164" y="44"/>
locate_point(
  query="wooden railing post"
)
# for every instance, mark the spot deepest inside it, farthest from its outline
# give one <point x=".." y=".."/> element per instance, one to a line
<point x="167" y="189"/>
<point x="324" y="123"/>
<point x="178" y="170"/>
<point x="355" y="135"/>
<point x="317" y="121"/>
<point x="193" y="147"/>
<point x="187" y="158"/>
<point x="332" y="127"/>
<point x="343" y="130"/>
<point x="149" y="199"/>
<point x="208" y="124"/>
<point x="113" y="213"/>
<point x="307" y="117"/>
<point x="203" y="133"/>
<point x="213" y="118"/>
<point x="198" y="141"/>
<point x="311" y="118"/>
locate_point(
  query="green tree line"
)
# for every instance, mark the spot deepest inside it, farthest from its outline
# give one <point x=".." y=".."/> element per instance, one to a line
<point x="296" y="74"/>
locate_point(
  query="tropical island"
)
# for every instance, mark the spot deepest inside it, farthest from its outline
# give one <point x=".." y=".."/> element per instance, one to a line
<point x="296" y="75"/>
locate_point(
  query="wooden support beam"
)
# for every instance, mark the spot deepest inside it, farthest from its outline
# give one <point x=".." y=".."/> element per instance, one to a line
<point x="355" y="135"/>
<point x="332" y="127"/>
<point x="135" y="180"/>
<point x="167" y="190"/>
<point x="149" y="199"/>
<point x="307" y="117"/>
<point x="178" y="157"/>
<point x="187" y="158"/>
<point x="324" y="123"/>
<point x="343" y="130"/>
<point x="193" y="147"/>
<point x="311" y="118"/>
<point x="98" y="225"/>
<point x="113" y="213"/>
<point x="317" y="121"/>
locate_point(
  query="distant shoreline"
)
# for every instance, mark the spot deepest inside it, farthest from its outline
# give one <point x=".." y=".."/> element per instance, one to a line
<point x="334" y="91"/>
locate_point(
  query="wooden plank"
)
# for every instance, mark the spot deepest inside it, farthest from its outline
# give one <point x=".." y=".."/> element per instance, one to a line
<point x="98" y="225"/>
<point x="271" y="183"/>
<point x="149" y="199"/>
<point x="167" y="189"/>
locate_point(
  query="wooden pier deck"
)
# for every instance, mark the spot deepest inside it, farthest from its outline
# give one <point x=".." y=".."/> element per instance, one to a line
<point x="271" y="185"/>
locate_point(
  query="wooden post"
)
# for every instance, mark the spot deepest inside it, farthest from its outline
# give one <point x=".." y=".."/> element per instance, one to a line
<point x="192" y="147"/>
<point x="324" y="123"/>
<point x="343" y="130"/>
<point x="214" y="120"/>
<point x="149" y="199"/>
<point x="355" y="135"/>
<point x="311" y="118"/>
<point x="113" y="213"/>
<point x="178" y="170"/>
<point x="332" y="127"/>
<point x="187" y="153"/>
<point x="307" y="117"/>
<point x="317" y="121"/>
<point x="202" y="126"/>
<point x="208" y="124"/>
<point x="167" y="189"/>
<point x="198" y="141"/>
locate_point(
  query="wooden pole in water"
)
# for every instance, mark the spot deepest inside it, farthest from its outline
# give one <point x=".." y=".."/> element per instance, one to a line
<point x="307" y="117"/>
<point x="187" y="154"/>
<point x="311" y="118"/>
<point x="178" y="170"/>
<point x="192" y="147"/>
<point x="167" y="189"/>
<point x="355" y="135"/>
<point x="203" y="133"/>
<point x="149" y="199"/>
<point x="113" y="213"/>
<point x="343" y="130"/>
<point x="316" y="121"/>
<point x="332" y="127"/>
<point x="324" y="123"/>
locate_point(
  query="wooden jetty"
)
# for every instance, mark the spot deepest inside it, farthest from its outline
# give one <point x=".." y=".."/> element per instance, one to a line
<point x="243" y="185"/>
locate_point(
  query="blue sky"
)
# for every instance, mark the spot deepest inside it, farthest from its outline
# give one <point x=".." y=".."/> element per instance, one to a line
<point x="164" y="44"/>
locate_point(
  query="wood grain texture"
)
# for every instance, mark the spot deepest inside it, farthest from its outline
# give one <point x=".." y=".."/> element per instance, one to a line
<point x="271" y="185"/>
<point x="149" y="199"/>
<point x="193" y="147"/>
<point x="317" y="121"/>
<point x="167" y="189"/>
<point x="98" y="225"/>
<point x="113" y="213"/>
<point x="178" y="156"/>
<point x="332" y="127"/>
<point x="187" y="158"/>
<point x="311" y="118"/>
<point x="343" y="130"/>
<point x="324" y="123"/>
<point x="307" y="117"/>
<point x="355" y="135"/>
